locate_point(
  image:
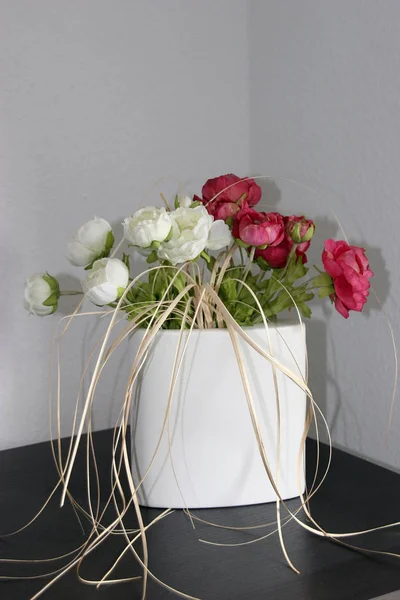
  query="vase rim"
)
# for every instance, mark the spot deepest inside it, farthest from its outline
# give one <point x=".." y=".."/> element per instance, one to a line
<point x="259" y="327"/>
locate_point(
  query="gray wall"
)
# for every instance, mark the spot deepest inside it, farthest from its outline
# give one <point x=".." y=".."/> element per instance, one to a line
<point x="99" y="99"/>
<point x="325" y="111"/>
<point x="102" y="98"/>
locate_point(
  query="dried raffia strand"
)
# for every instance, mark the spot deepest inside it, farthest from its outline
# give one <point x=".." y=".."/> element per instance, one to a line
<point x="96" y="370"/>
<point x="257" y="431"/>
<point x="304" y="434"/>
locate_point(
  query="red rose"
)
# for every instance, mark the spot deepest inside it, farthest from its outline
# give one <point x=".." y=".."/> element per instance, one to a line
<point x="276" y="256"/>
<point x="222" y="203"/>
<point x="257" y="228"/>
<point x="349" y="268"/>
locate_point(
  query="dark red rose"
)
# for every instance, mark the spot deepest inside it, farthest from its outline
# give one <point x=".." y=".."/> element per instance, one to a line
<point x="225" y="195"/>
<point x="276" y="256"/>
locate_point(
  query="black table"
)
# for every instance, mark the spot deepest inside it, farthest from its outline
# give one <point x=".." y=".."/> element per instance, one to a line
<point x="356" y="495"/>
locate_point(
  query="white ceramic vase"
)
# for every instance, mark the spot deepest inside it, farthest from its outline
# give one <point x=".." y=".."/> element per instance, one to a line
<point x="212" y="457"/>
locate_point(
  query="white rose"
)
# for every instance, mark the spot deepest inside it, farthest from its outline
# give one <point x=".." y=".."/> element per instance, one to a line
<point x="219" y="236"/>
<point x="92" y="241"/>
<point x="147" y="225"/>
<point x="106" y="281"/>
<point x="41" y="294"/>
<point x="190" y="231"/>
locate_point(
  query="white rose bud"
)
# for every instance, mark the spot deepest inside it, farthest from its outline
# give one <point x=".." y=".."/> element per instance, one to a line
<point x="106" y="281"/>
<point x="146" y="226"/>
<point x="219" y="236"/>
<point x="92" y="241"/>
<point x="41" y="294"/>
<point x="190" y="231"/>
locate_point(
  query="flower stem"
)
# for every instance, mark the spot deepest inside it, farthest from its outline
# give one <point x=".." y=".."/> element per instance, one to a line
<point x="260" y="276"/>
<point x="251" y="258"/>
<point x="71" y="293"/>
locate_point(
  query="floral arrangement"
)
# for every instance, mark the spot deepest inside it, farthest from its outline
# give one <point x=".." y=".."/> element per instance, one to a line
<point x="254" y="259"/>
<point x="213" y="261"/>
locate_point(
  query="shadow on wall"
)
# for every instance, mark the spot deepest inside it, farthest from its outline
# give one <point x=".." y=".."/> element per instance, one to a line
<point x="271" y="195"/>
<point x="68" y="283"/>
<point x="381" y="280"/>
<point x="326" y="392"/>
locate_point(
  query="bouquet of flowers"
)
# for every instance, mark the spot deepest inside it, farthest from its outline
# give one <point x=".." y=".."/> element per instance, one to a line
<point x="213" y="261"/>
<point x="254" y="262"/>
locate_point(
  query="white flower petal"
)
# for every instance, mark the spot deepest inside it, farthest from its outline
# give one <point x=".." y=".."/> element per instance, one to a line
<point x="102" y="294"/>
<point x="37" y="291"/>
<point x="220" y="236"/>
<point x="146" y="226"/>
<point x="104" y="280"/>
<point x="89" y="242"/>
<point x="93" y="234"/>
<point x="190" y="231"/>
<point x="78" y="255"/>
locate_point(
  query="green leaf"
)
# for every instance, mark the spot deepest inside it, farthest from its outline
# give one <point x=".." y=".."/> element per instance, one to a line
<point x="241" y="313"/>
<point x="317" y="269"/>
<point x="158" y="282"/>
<point x="241" y="244"/>
<point x="180" y="282"/>
<point x="196" y="203"/>
<point x="176" y="202"/>
<point x="229" y="221"/>
<point x="205" y="256"/>
<point x="305" y="310"/>
<point x="53" y="284"/>
<point x="126" y="260"/>
<point x="143" y="292"/>
<point x="109" y="243"/>
<point x="169" y="236"/>
<point x="323" y="280"/>
<point x="263" y="284"/>
<point x="323" y="292"/>
<point x="303" y="297"/>
<point x="120" y="291"/>
<point x="274" y="285"/>
<point x="228" y="290"/>
<point x="234" y="273"/>
<point x="130" y="297"/>
<point x="52" y="300"/>
<point x="211" y="263"/>
<point x="152" y="257"/>
<point x="262" y="263"/>
<point x="295" y="270"/>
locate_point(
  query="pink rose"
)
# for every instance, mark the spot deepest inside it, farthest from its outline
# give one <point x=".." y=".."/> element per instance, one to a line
<point x="276" y="256"/>
<point x="300" y="231"/>
<point x="257" y="228"/>
<point x="222" y="203"/>
<point x="349" y="268"/>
